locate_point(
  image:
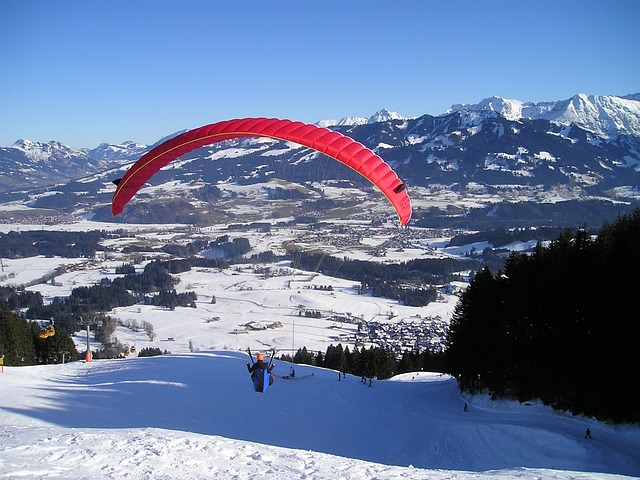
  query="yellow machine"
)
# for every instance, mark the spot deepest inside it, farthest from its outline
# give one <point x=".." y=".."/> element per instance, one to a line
<point x="47" y="332"/>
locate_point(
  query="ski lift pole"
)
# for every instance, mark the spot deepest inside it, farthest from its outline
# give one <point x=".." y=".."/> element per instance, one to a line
<point x="88" y="322"/>
<point x="87" y="357"/>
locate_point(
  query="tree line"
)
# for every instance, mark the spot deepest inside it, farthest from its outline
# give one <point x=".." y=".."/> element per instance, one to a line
<point x="502" y="236"/>
<point x="408" y="282"/>
<point x="560" y="324"/>
<point x="50" y="244"/>
<point x="374" y="362"/>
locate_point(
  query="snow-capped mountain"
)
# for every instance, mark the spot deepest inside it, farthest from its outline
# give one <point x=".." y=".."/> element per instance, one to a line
<point x="346" y="121"/>
<point x="125" y="151"/>
<point x="583" y="148"/>
<point x="28" y="164"/>
<point x="605" y="116"/>
<point x="383" y="115"/>
<point x="31" y="164"/>
<point x="48" y="152"/>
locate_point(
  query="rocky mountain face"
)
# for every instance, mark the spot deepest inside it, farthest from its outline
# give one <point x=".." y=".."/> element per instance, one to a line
<point x="587" y="147"/>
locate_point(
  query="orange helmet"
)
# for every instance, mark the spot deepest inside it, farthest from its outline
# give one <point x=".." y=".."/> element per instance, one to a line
<point x="260" y="356"/>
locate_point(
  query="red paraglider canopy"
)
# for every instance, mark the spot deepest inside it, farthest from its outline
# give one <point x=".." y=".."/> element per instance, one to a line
<point x="334" y="144"/>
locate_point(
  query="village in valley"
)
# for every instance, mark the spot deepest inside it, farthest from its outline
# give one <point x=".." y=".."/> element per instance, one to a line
<point x="344" y="315"/>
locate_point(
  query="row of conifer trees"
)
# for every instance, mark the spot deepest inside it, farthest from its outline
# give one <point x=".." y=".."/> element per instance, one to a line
<point x="372" y="362"/>
<point x="561" y="325"/>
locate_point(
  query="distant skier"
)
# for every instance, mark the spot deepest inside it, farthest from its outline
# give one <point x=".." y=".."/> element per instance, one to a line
<point x="587" y="434"/>
<point x="466" y="407"/>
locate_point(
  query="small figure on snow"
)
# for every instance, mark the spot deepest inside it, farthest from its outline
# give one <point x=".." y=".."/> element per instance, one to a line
<point x="587" y="434"/>
<point x="466" y="407"/>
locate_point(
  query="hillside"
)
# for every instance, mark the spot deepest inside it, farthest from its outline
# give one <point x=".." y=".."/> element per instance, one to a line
<point x="196" y="416"/>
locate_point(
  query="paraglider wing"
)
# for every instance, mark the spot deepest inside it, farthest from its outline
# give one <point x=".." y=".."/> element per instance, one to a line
<point x="333" y="144"/>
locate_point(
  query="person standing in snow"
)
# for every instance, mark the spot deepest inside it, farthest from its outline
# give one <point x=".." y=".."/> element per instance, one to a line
<point x="587" y="434"/>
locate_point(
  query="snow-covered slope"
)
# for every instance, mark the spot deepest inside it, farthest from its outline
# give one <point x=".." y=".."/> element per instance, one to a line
<point x="196" y="416"/>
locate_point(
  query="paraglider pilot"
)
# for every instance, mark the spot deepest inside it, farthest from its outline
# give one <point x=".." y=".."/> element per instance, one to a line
<point x="259" y="372"/>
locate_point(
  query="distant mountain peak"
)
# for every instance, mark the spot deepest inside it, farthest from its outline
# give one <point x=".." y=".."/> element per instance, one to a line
<point x="39" y="151"/>
<point x="383" y="115"/>
<point x="604" y="115"/>
<point x="346" y="121"/>
<point x="509" y="109"/>
<point x="126" y="151"/>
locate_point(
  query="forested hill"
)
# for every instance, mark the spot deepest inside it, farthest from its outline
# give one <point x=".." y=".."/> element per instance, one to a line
<point x="560" y="325"/>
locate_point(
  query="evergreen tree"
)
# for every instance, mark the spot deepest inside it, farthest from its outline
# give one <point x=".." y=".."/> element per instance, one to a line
<point x="16" y="339"/>
<point x="303" y="357"/>
<point x="334" y="358"/>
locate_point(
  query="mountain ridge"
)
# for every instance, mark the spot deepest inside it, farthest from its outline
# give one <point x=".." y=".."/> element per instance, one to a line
<point x="605" y="115"/>
<point x="511" y="109"/>
<point x="582" y="148"/>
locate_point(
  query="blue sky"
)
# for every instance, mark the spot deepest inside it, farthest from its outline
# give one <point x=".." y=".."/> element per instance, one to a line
<point x="86" y="72"/>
